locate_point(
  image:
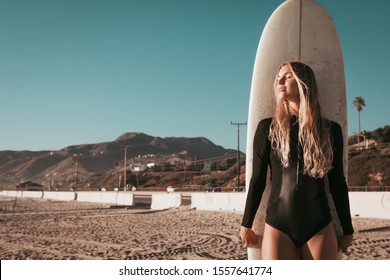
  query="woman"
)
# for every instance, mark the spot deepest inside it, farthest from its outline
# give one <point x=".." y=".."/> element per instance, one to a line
<point x="302" y="149"/>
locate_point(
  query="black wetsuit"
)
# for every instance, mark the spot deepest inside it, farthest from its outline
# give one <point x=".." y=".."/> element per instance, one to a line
<point x="297" y="204"/>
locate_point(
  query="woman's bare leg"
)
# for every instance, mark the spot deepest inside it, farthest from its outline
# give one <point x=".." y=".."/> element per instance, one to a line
<point x="322" y="246"/>
<point x="277" y="245"/>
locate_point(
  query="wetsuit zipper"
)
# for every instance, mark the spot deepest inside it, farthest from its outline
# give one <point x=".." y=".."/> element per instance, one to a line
<point x="298" y="160"/>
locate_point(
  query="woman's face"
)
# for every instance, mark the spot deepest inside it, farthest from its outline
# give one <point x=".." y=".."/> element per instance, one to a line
<point x="286" y="85"/>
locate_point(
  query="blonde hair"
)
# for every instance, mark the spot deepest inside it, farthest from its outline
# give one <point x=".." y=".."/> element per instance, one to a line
<point x="314" y="131"/>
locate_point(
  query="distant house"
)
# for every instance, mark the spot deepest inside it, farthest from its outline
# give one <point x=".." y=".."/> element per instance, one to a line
<point x="29" y="186"/>
<point x="206" y="167"/>
<point x="137" y="168"/>
<point x="367" y="143"/>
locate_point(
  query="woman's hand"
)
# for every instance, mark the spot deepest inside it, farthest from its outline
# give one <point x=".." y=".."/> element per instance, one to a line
<point x="248" y="236"/>
<point x="345" y="242"/>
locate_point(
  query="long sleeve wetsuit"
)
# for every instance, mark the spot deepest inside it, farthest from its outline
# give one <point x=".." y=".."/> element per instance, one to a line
<point x="297" y="204"/>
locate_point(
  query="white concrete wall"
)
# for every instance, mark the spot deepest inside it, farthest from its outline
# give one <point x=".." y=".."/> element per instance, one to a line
<point x="363" y="204"/>
<point x="165" y="200"/>
<point x="125" y="198"/>
<point x="64" y="196"/>
<point x="98" y="197"/>
<point x="31" y="194"/>
<point x="370" y="204"/>
<point x="218" y="201"/>
<point x="11" y="193"/>
<point x="106" y="197"/>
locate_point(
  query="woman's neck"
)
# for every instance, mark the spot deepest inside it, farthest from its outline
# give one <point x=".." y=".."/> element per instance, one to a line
<point x="293" y="109"/>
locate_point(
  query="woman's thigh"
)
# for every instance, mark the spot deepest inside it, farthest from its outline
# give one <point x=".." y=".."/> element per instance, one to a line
<point x="277" y="245"/>
<point x="322" y="246"/>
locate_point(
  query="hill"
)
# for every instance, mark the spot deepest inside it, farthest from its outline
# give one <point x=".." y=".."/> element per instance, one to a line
<point x="91" y="164"/>
<point x="369" y="160"/>
<point x="369" y="167"/>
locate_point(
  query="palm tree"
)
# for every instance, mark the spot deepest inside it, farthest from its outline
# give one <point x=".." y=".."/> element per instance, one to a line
<point x="359" y="103"/>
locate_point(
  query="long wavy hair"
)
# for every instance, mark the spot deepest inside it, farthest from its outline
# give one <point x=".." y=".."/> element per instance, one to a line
<point x="314" y="130"/>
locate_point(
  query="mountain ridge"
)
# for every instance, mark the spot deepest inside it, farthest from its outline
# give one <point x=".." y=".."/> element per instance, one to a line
<point x="86" y="160"/>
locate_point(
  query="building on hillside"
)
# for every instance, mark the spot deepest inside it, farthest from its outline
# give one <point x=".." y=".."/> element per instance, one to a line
<point x="29" y="186"/>
<point x="206" y="167"/>
<point x="366" y="144"/>
<point x="137" y="167"/>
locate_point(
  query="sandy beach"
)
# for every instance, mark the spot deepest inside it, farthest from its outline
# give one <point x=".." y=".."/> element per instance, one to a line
<point x="58" y="230"/>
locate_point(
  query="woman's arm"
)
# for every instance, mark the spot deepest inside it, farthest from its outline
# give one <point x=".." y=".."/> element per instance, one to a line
<point x="261" y="150"/>
<point x="337" y="183"/>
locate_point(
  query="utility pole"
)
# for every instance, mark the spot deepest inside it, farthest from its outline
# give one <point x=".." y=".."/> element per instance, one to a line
<point x="124" y="169"/>
<point x="76" y="158"/>
<point x="238" y="150"/>
<point x="77" y="175"/>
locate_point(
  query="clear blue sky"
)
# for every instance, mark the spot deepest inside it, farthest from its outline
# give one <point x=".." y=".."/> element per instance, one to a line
<point x="86" y="71"/>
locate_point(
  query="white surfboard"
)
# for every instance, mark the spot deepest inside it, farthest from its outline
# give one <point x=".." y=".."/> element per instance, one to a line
<point x="298" y="30"/>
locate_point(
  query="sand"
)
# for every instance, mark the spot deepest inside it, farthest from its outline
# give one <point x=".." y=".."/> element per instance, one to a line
<point x="47" y="229"/>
